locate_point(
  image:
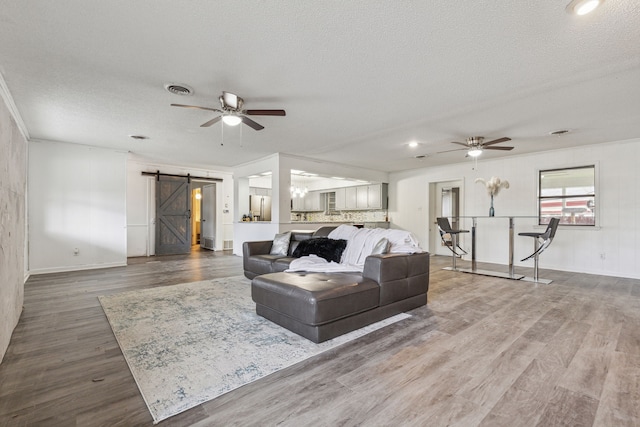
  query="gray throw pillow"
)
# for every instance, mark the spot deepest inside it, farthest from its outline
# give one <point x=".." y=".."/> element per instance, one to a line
<point x="382" y="247"/>
<point x="280" y="245"/>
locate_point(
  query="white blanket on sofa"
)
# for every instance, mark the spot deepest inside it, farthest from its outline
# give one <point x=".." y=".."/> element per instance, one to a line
<point x="360" y="244"/>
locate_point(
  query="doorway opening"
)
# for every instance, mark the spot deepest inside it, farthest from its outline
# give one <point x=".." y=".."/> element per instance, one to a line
<point x="445" y="201"/>
<point x="203" y="219"/>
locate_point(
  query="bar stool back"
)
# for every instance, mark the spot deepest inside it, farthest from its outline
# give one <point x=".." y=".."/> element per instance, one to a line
<point x="541" y="241"/>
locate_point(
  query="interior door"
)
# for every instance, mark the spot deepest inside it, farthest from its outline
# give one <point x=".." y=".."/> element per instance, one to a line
<point x="208" y="217"/>
<point x="173" y="215"/>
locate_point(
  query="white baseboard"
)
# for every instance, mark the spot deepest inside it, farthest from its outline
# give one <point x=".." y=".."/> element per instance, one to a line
<point x="75" y="268"/>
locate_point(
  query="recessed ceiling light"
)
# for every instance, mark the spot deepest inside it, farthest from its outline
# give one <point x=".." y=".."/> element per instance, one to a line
<point x="421" y="156"/>
<point x="138" y="137"/>
<point x="559" y="132"/>
<point x="582" y="7"/>
<point x="413" y="144"/>
<point x="178" y="89"/>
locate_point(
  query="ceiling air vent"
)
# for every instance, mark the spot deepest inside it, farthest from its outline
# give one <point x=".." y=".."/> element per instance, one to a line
<point x="179" y="89"/>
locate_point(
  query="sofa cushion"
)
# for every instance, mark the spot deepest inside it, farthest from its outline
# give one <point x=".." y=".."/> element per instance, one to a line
<point x="261" y="264"/>
<point x="315" y="298"/>
<point x="282" y="264"/>
<point x="280" y="245"/>
<point x="329" y="249"/>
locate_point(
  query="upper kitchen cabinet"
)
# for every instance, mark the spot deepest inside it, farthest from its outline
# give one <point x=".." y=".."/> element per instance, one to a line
<point x="341" y="199"/>
<point x="363" y="197"/>
<point x="311" y="202"/>
<point x="377" y="196"/>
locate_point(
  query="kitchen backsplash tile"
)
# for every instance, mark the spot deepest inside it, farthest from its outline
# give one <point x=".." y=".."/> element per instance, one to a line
<point x="347" y="216"/>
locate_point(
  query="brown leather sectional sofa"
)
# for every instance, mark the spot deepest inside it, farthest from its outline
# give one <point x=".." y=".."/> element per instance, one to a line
<point x="321" y="306"/>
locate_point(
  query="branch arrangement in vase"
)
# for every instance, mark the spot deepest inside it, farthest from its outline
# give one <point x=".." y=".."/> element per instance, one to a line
<point x="493" y="186"/>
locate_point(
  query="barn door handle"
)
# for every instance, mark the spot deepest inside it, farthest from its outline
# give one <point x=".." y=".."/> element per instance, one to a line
<point x="189" y="214"/>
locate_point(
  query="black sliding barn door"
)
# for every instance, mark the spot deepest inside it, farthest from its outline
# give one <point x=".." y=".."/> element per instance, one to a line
<point x="173" y="215"/>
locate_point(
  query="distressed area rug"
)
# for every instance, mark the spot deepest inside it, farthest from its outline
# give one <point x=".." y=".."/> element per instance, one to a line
<point x="189" y="343"/>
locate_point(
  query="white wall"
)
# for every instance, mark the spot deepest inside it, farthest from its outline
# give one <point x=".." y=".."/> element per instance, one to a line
<point x="612" y="248"/>
<point x="77" y="200"/>
<point x="141" y="204"/>
<point x="13" y="178"/>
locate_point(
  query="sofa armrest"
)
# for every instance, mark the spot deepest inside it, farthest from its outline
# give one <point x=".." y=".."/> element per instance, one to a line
<point x="385" y="268"/>
<point x="399" y="276"/>
<point x="262" y="247"/>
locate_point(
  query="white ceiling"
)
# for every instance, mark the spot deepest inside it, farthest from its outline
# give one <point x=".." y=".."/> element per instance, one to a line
<point x="359" y="79"/>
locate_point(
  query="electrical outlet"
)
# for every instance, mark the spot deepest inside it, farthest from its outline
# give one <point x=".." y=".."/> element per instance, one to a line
<point x="76" y="251"/>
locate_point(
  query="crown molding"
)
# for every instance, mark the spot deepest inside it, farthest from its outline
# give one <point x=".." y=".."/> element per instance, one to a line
<point x="13" y="109"/>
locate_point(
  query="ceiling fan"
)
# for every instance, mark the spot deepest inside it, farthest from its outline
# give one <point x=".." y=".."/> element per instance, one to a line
<point x="233" y="112"/>
<point x="476" y="144"/>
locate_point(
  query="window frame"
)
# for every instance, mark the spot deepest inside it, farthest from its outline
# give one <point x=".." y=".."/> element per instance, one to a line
<point x="595" y="196"/>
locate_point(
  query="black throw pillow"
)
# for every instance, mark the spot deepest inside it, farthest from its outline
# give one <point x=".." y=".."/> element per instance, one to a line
<point x="324" y="247"/>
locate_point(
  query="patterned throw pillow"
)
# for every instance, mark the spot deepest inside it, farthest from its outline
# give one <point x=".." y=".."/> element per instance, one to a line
<point x="280" y="244"/>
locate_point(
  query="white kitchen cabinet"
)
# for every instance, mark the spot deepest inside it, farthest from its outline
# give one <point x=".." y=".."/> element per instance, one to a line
<point x="377" y="196"/>
<point x="297" y="204"/>
<point x="362" y="197"/>
<point x="351" y="199"/>
<point x="311" y="202"/>
<point x="341" y="201"/>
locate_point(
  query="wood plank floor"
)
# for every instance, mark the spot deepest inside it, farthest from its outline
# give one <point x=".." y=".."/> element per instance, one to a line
<point x="484" y="352"/>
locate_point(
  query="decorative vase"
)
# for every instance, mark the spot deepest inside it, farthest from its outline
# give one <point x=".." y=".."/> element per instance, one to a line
<point x="492" y="212"/>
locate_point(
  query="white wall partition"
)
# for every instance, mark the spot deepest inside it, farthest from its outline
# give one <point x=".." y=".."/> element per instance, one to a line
<point x="77" y="207"/>
<point x="612" y="248"/>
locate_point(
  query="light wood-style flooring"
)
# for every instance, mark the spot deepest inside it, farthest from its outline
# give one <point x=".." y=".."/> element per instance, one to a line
<point x="484" y="352"/>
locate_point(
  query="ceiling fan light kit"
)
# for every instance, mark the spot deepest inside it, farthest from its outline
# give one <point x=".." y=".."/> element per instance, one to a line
<point x="474" y="152"/>
<point x="231" y="120"/>
<point x="475" y="145"/>
<point x="582" y="7"/>
<point x="232" y="112"/>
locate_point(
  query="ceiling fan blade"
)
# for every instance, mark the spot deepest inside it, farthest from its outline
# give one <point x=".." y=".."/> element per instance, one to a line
<point x="266" y="112"/>
<point x="247" y="121"/>
<point x="448" y="151"/>
<point x="230" y="99"/>
<point x="498" y="148"/>
<point x="461" y="143"/>
<point x="496" y="141"/>
<point x="210" y="122"/>
<point x="196" y="107"/>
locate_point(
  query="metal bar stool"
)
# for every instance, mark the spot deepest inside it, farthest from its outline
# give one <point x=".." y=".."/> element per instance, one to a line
<point x="541" y="241"/>
<point x="445" y="228"/>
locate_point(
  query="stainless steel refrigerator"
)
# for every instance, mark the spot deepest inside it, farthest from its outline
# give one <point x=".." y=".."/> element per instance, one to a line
<point x="260" y="207"/>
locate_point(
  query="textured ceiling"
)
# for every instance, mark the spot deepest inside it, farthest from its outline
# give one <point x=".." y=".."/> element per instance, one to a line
<point x="358" y="79"/>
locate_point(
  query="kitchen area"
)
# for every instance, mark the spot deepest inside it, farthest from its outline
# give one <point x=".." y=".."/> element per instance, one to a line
<point x="282" y="193"/>
<point x="342" y="201"/>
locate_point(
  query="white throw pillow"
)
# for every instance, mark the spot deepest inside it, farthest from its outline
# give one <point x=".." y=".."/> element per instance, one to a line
<point x="382" y="247"/>
<point x="280" y="245"/>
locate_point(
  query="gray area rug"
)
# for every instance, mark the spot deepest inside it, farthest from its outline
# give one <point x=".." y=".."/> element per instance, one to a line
<point x="189" y="343"/>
